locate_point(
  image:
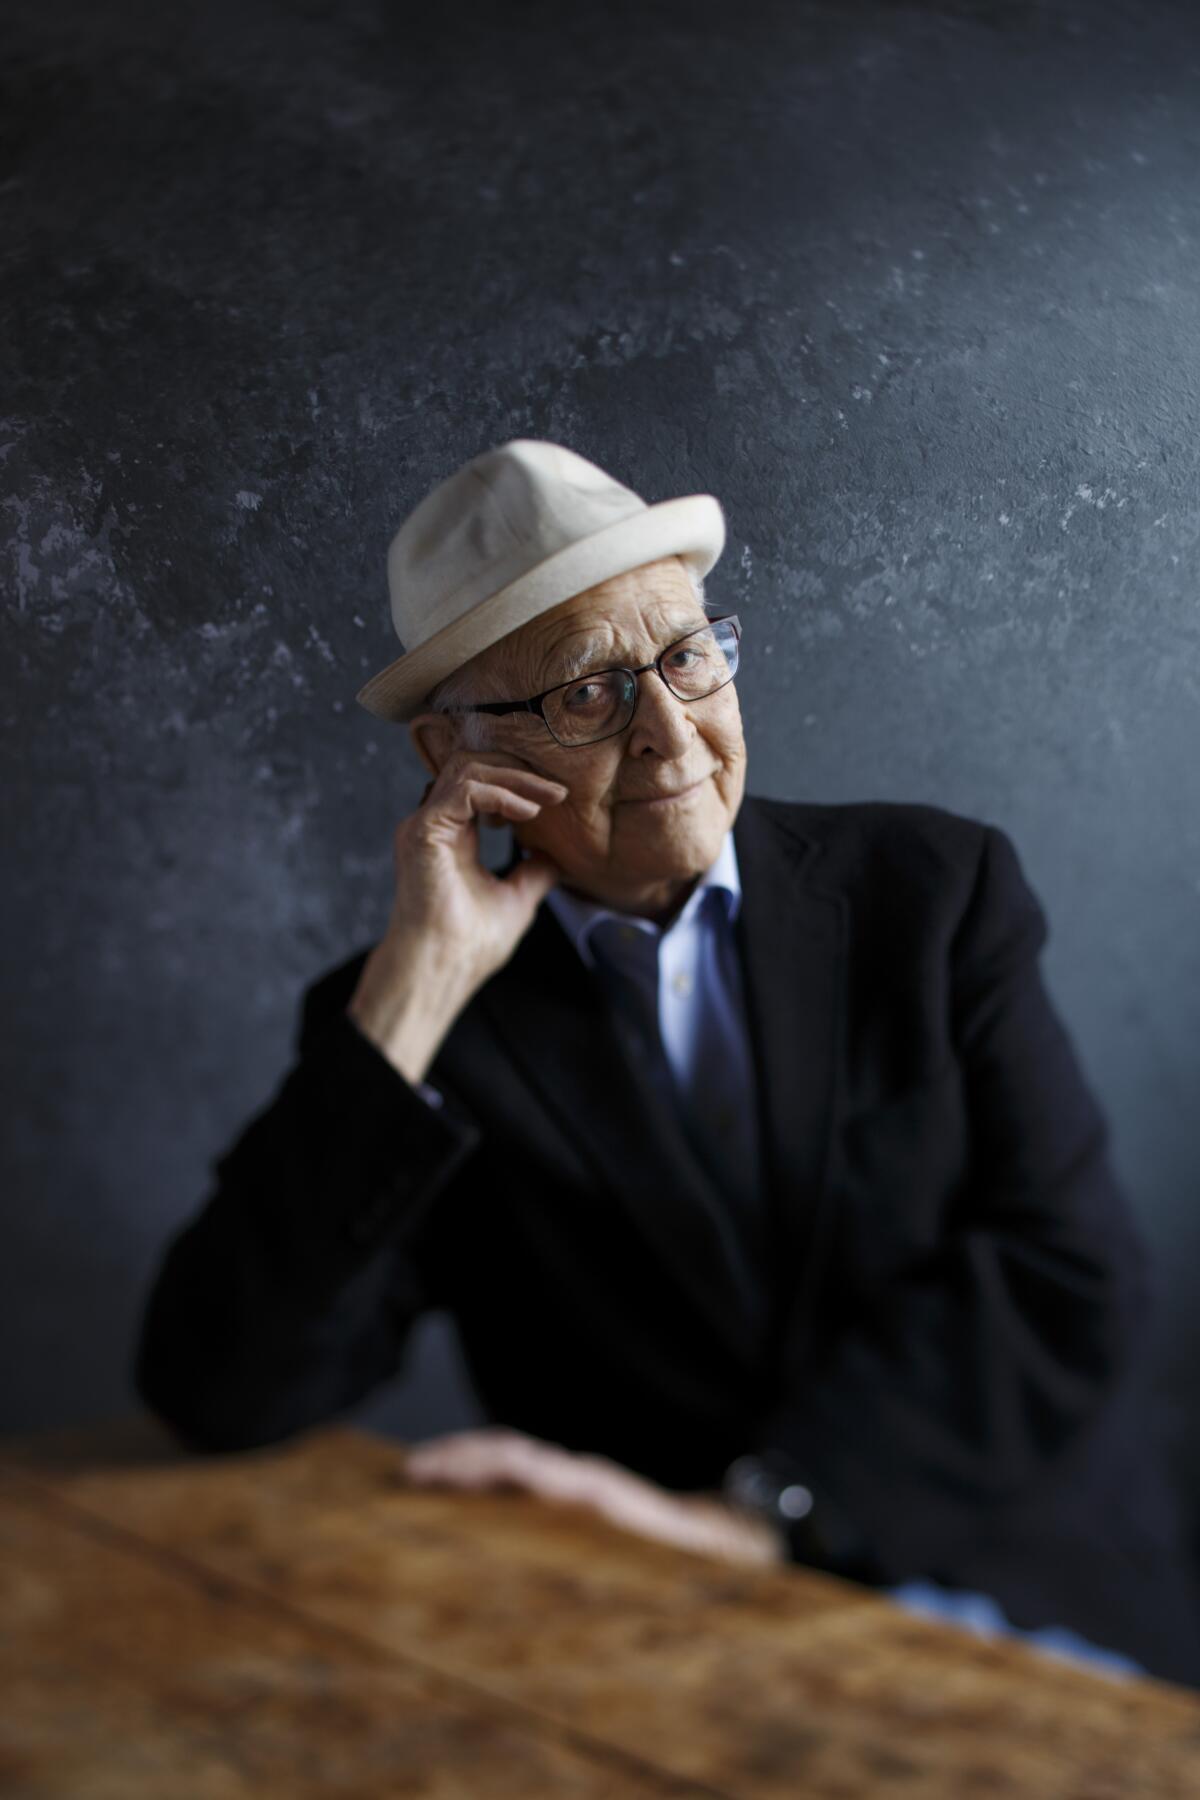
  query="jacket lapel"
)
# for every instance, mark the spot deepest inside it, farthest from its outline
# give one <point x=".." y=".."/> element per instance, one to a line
<point x="792" y="936"/>
<point x="558" y="1031"/>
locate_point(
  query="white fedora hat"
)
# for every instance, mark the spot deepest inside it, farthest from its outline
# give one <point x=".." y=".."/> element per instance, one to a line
<point x="512" y="533"/>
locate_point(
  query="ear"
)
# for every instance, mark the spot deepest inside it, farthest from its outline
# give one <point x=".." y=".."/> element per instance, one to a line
<point x="434" y="736"/>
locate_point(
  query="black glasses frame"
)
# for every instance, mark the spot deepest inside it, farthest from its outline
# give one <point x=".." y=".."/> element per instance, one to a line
<point x="536" y="703"/>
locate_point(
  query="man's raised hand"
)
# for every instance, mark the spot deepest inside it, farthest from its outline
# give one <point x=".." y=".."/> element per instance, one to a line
<point x="453" y="922"/>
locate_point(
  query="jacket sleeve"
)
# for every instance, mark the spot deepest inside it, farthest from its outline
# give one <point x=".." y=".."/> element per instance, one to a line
<point x="291" y="1293"/>
<point x="981" y="1369"/>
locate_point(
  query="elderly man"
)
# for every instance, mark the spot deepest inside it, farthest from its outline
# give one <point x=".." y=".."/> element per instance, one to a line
<point x="739" y="1137"/>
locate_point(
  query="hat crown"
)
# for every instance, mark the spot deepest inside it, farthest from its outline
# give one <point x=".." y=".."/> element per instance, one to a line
<point x="492" y="521"/>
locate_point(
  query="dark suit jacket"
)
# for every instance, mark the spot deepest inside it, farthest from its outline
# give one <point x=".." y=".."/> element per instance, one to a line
<point x="958" y="1298"/>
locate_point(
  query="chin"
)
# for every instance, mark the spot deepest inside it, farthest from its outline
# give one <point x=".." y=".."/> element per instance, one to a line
<point x="684" y="853"/>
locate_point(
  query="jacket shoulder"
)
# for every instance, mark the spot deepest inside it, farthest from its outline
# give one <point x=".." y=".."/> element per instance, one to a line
<point x="916" y="872"/>
<point x="853" y="837"/>
<point x="912" y="866"/>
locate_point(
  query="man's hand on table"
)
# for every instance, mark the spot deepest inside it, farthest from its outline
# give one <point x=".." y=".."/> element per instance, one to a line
<point x="498" y="1457"/>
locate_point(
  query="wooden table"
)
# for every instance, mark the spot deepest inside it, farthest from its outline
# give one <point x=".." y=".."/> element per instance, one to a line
<point x="292" y="1622"/>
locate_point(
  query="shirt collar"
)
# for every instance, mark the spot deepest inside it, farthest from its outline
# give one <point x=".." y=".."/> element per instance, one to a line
<point x="578" y="916"/>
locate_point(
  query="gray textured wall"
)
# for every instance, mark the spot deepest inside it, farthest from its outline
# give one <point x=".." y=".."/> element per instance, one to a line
<point x="915" y="290"/>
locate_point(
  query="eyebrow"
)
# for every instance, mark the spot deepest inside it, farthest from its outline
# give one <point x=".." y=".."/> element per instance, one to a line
<point x="586" y="660"/>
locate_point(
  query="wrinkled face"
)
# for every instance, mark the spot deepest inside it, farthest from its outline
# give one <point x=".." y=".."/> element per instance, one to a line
<point x="607" y="831"/>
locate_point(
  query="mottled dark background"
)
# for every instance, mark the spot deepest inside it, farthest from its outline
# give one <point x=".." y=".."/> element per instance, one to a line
<point x="914" y="289"/>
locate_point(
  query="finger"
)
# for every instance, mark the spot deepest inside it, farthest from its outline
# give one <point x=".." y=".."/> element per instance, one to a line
<point x="479" y="1458"/>
<point x="519" y="779"/>
<point x="508" y="762"/>
<point x="536" y="1467"/>
<point x="452" y="1444"/>
<point x="475" y="798"/>
<point x="451" y="1458"/>
<point x="635" y="1505"/>
<point x="467" y="793"/>
<point x="480" y="1461"/>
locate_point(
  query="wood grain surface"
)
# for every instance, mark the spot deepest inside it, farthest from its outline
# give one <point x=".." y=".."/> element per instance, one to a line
<point x="294" y="1621"/>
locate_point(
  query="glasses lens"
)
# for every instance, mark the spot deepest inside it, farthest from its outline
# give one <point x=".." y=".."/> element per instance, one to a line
<point x="702" y="663"/>
<point x="595" y="706"/>
<point x="598" y="706"/>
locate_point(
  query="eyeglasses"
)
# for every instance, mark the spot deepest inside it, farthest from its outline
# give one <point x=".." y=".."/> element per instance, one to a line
<point x="599" y="705"/>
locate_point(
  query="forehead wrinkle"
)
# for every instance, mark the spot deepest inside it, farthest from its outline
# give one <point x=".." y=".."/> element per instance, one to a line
<point x="564" y="664"/>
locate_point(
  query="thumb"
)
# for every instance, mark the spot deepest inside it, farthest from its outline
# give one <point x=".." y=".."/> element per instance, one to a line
<point x="535" y="875"/>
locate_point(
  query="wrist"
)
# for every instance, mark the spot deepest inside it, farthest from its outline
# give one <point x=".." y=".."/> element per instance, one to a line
<point x="403" y="1015"/>
<point x="407" y="1036"/>
<point x="814" y="1531"/>
<point x="763" y="1486"/>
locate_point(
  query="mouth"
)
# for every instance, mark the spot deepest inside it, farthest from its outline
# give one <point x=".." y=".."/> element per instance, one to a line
<point x="656" y="801"/>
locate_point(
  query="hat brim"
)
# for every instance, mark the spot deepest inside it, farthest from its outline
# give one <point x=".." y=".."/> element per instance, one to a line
<point x="691" y="527"/>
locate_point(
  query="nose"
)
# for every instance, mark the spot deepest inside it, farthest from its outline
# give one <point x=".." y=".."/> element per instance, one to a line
<point x="661" y="719"/>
